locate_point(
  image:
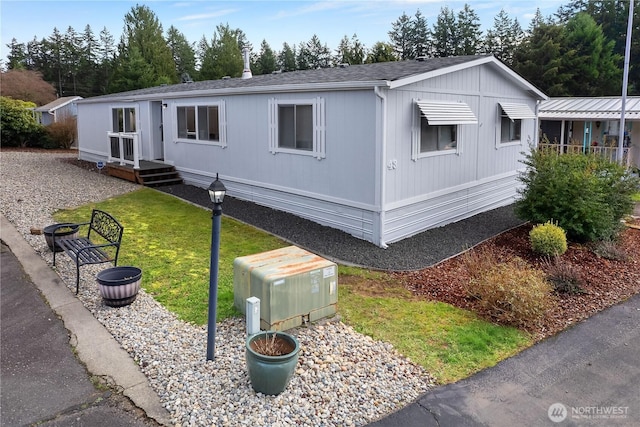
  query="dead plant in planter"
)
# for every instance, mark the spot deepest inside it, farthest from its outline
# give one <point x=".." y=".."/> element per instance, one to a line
<point x="272" y="345"/>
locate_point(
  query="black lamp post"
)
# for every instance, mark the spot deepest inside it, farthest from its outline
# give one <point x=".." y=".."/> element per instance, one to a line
<point x="217" y="191"/>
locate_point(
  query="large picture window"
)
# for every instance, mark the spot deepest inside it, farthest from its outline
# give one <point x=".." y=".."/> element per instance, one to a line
<point x="203" y="123"/>
<point x="297" y="127"/>
<point x="436" y="128"/>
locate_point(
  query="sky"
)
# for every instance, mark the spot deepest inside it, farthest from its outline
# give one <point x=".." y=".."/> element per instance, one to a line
<point x="277" y="22"/>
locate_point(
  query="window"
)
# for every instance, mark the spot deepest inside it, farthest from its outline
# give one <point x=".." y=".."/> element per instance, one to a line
<point x="297" y="127"/>
<point x="202" y="123"/>
<point x="511" y="116"/>
<point x="436" y="127"/>
<point x="123" y="119"/>
<point x="437" y="138"/>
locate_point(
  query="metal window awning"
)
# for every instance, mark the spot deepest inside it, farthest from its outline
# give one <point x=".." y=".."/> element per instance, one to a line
<point x="517" y="111"/>
<point x="447" y="113"/>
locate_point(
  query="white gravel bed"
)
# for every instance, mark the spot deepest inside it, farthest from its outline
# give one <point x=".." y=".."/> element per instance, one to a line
<point x="343" y="378"/>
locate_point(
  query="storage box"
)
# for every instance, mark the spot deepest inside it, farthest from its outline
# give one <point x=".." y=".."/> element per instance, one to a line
<point x="294" y="286"/>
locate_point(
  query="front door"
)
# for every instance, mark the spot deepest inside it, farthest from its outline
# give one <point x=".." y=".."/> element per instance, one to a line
<point x="157" y="134"/>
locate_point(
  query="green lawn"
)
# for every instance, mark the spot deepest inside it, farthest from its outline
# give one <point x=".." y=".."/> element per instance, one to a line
<point x="170" y="241"/>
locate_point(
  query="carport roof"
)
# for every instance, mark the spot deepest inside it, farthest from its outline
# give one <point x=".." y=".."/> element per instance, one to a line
<point x="603" y="108"/>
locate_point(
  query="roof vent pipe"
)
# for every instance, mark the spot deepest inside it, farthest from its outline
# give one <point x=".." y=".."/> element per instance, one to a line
<point x="246" y="72"/>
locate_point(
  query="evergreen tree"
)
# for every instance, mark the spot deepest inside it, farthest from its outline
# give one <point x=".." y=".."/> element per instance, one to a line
<point x="222" y="57"/>
<point x="106" y="53"/>
<point x="287" y="58"/>
<point x="183" y="54"/>
<point x="590" y="58"/>
<point x="445" y="34"/>
<point x="313" y="54"/>
<point x="350" y="51"/>
<point x="143" y="31"/>
<point x="266" y="62"/>
<point x="17" y="57"/>
<point x="503" y="39"/>
<point x="381" y="52"/>
<point x="540" y="59"/>
<point x="401" y="37"/>
<point x="420" y="36"/>
<point x="468" y="31"/>
<point x="133" y="72"/>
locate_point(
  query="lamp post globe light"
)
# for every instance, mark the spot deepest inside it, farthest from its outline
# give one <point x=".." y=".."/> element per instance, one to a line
<point x="217" y="191"/>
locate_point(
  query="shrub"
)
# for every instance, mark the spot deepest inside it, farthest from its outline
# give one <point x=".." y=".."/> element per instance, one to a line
<point x="548" y="239"/>
<point x="609" y="249"/>
<point x="17" y="124"/>
<point x="587" y="194"/>
<point x="564" y="277"/>
<point x="512" y="293"/>
<point x="63" y="133"/>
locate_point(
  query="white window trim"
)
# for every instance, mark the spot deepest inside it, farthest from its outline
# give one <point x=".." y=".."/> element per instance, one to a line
<point x="416" y="136"/>
<point x="319" y="127"/>
<point x="122" y="106"/>
<point x="514" y="112"/>
<point x="222" y="123"/>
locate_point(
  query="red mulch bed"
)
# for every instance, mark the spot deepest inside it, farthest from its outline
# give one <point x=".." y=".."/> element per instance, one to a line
<point x="606" y="282"/>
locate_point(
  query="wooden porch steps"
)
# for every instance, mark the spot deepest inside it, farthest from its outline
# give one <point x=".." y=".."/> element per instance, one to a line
<point x="150" y="174"/>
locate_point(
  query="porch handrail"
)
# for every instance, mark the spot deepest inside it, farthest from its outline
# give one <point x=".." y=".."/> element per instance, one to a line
<point x="124" y="147"/>
<point x="607" y="152"/>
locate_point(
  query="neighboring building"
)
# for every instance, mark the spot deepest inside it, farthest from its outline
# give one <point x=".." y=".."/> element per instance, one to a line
<point x="382" y="151"/>
<point x="592" y="124"/>
<point x="56" y="110"/>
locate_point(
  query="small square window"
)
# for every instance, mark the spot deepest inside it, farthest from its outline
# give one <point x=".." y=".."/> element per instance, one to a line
<point x="297" y="127"/>
<point x="437" y="138"/>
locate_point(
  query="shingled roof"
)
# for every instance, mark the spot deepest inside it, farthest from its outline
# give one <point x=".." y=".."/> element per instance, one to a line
<point x="377" y="74"/>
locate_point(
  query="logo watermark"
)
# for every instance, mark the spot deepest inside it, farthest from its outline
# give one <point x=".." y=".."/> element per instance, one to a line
<point x="558" y="412"/>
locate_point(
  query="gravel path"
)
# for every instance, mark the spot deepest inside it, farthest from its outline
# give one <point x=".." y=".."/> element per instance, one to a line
<point x="417" y="252"/>
<point x="343" y="378"/>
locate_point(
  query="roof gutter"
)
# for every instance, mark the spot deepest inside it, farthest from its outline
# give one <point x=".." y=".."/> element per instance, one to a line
<point x="298" y="88"/>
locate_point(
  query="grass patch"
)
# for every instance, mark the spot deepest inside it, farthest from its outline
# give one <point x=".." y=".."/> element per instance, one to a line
<point x="170" y="240"/>
<point x="636" y="197"/>
<point x="448" y="342"/>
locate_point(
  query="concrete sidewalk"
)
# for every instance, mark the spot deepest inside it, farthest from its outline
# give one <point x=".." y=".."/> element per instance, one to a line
<point x="42" y="325"/>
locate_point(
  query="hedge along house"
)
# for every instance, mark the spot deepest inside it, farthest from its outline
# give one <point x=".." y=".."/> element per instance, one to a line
<point x="381" y="151"/>
<point x="586" y="124"/>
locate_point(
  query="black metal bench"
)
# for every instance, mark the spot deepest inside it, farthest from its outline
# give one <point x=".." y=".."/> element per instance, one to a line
<point x="105" y="246"/>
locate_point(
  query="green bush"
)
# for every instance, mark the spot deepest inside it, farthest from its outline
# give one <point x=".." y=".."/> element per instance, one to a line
<point x="548" y="239"/>
<point x="18" y="127"/>
<point x="587" y="194"/>
<point x="510" y="292"/>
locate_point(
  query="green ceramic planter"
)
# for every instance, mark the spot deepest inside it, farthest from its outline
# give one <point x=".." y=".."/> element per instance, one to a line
<point x="271" y="374"/>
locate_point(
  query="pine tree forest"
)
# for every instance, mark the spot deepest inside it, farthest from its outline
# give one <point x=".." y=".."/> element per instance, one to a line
<point x="576" y="52"/>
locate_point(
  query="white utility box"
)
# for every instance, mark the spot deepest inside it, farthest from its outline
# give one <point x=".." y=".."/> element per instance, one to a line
<point x="294" y="286"/>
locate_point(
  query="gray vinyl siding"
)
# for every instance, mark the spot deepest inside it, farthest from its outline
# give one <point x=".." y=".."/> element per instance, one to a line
<point x="433" y="191"/>
<point x="338" y="190"/>
<point x="367" y="181"/>
<point x="246" y="159"/>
